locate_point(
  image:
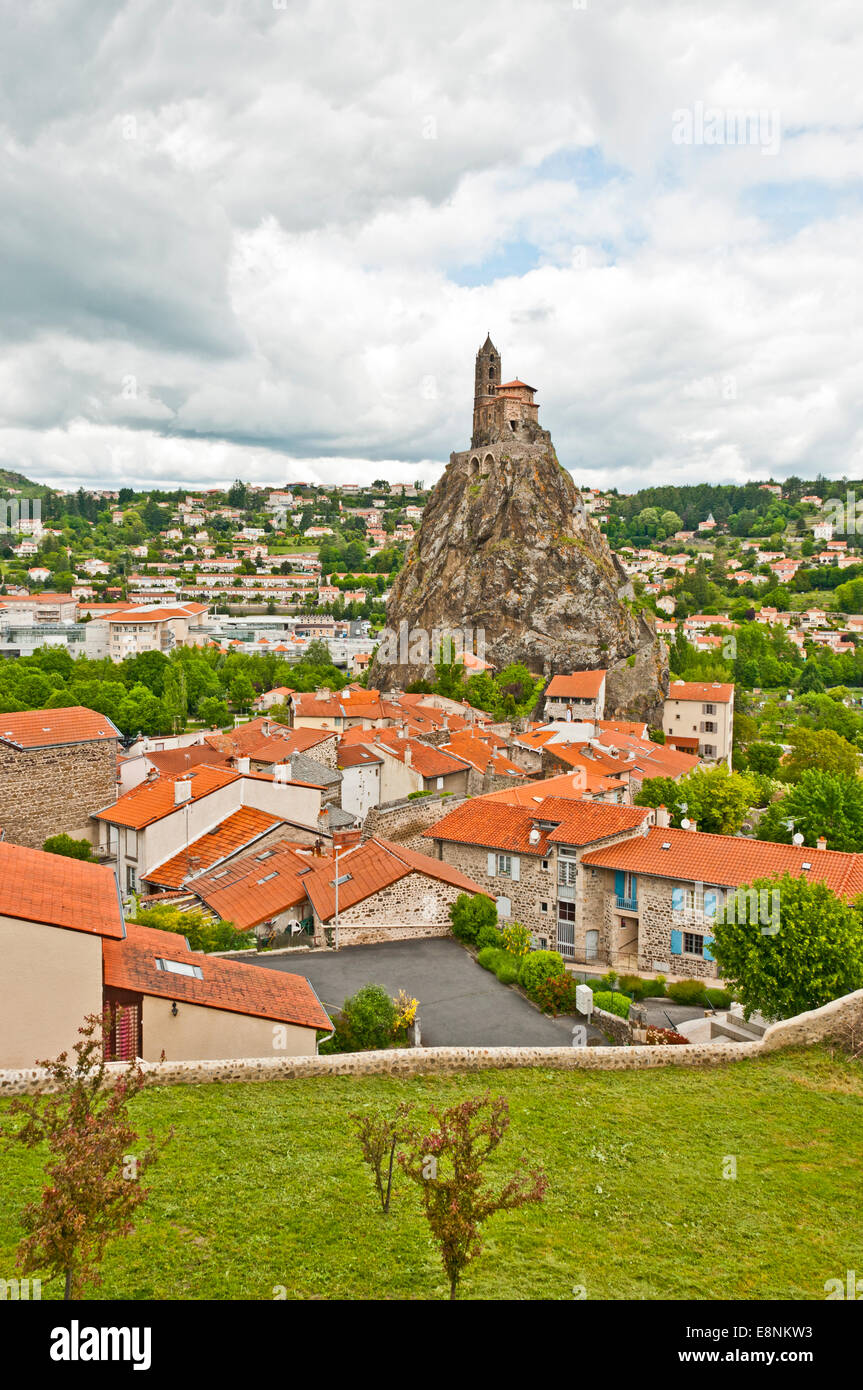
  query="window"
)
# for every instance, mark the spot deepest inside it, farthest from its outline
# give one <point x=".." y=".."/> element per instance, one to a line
<point x="131" y="878"/>
<point x="693" y="944"/>
<point x="131" y="844"/>
<point x="567" y="871"/>
<point x="545" y="865"/>
<point x="566" y="912"/>
<point x="439" y="783"/>
<point x="179" y="967"/>
<point x="708" y="750"/>
<point x="708" y="709"/>
<point x="543" y="907"/>
<point x="504" y="865"/>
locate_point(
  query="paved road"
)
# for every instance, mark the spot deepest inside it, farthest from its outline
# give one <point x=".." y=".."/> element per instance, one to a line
<point x="461" y="1005"/>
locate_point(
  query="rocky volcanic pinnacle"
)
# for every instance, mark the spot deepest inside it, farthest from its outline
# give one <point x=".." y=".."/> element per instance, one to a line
<point x="507" y="547"/>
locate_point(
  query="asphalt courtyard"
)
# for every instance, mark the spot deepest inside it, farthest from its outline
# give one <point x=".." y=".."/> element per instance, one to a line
<point x="461" y="1005"/>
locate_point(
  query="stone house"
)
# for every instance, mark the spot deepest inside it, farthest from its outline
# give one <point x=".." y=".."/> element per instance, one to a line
<point x="527" y="855"/>
<point x="57" y="766"/>
<point x="698" y="717"/>
<point x="652" y="899"/>
<point x="580" y="696"/>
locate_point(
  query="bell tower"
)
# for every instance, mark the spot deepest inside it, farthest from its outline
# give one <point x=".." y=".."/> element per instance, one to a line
<point x="486" y="383"/>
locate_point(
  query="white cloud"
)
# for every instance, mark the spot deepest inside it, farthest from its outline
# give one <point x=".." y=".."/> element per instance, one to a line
<point x="290" y="228"/>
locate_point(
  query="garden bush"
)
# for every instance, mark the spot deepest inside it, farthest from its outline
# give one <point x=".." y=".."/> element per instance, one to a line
<point x="719" y="998"/>
<point x="492" y="958"/>
<point x="613" y="1003"/>
<point x="537" y="967"/>
<point x="367" y="1021"/>
<point x="507" y="972"/>
<point x="556" y="994"/>
<point x="489" y="935"/>
<point x="688" y="992"/>
<point x="641" y="988"/>
<point x="469" y="915"/>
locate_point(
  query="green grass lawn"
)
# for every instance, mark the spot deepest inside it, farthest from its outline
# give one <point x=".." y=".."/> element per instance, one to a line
<point x="262" y="1186"/>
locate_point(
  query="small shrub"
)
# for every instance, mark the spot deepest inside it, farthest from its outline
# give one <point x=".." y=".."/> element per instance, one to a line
<point x="640" y="988"/>
<point x="556" y="994"/>
<point x="367" y="1021"/>
<point x="688" y="992"/>
<point x="470" y="914"/>
<point x="538" y="967"/>
<point x="517" y="940"/>
<point x="662" y="1037"/>
<point x="613" y="1003"/>
<point x="507" y="972"/>
<point x="71" y="849"/>
<point x="491" y="958"/>
<point x="719" y="998"/>
<point x="489" y="936"/>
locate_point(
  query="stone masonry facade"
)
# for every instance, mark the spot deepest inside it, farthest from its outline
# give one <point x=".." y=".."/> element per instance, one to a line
<point x="54" y="791"/>
<point x="416" y="906"/>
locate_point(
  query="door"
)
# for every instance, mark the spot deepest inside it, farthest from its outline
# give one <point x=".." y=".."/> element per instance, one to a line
<point x="591" y="945"/>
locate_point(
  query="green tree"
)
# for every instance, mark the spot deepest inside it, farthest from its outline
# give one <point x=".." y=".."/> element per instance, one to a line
<point x="811" y="678"/>
<point x="819" y="748"/>
<point x="91" y="1193"/>
<point x="764" y="757"/>
<point x="815" y="956"/>
<point x="447" y="1165"/>
<point x="820" y="803"/>
<point x="69" y="848"/>
<point x="214" y="712"/>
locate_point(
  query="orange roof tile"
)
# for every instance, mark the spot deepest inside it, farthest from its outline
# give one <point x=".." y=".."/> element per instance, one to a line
<point x="235" y="986"/>
<point x="61" y="892"/>
<point x="717" y="692"/>
<point x="373" y="865"/>
<point x="236" y="831"/>
<point x="728" y="860"/>
<point x="583" y="685"/>
<point x="507" y="824"/>
<point x="153" y="800"/>
<point x="258" y="886"/>
<point x="48" y="728"/>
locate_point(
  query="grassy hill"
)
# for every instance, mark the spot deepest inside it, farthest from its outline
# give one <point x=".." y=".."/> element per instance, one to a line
<point x="262" y="1186"/>
<point x="24" y="485"/>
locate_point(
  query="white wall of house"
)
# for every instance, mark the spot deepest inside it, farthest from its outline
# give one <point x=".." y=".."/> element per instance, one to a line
<point x="199" y="1033"/>
<point x="50" y="980"/>
<point x="361" y="788"/>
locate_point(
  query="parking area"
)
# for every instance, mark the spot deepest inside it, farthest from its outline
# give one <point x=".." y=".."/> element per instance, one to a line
<point x="461" y="1005"/>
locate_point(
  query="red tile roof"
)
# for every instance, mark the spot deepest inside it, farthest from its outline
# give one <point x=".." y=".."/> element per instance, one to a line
<point x="258" y="886"/>
<point x="581" y="685"/>
<point x="701" y="690"/>
<point x="153" y="800"/>
<point x="427" y="761"/>
<point x="373" y="865"/>
<point x="507" y="824"/>
<point x="231" y="985"/>
<point x="230" y="835"/>
<point x="357" y="755"/>
<point x="728" y="860"/>
<point x="48" y="728"/>
<point x="61" y="892"/>
<point x="176" y="761"/>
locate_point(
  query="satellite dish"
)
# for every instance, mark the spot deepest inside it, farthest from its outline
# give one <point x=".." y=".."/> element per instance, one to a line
<point x="797" y="839"/>
<point x="685" y="824"/>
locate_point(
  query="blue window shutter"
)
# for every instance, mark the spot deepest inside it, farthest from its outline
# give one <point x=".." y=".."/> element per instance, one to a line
<point x="634" y="888"/>
<point x="711" y="899"/>
<point x="618" y="882"/>
<point x="677" y="901"/>
<point x="677" y="943"/>
<point x="706" y="948"/>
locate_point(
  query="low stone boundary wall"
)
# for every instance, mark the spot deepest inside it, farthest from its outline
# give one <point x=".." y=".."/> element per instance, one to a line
<point x="620" y="1029"/>
<point x="802" y="1030"/>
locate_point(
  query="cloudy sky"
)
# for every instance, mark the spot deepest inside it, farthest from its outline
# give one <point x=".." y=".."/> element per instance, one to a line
<point x="265" y="238"/>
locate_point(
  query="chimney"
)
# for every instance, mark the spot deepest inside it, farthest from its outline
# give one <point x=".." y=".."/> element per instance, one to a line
<point x="693" y="825"/>
<point x="821" y="843"/>
<point x="265" y="728"/>
<point x="182" y="792"/>
<point x="244" y="765"/>
<point x="407" y="757"/>
<point x="282" y="772"/>
<point x="662" y="817"/>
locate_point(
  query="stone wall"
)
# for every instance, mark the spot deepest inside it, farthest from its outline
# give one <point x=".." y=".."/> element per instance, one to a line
<point x="804" y="1030"/>
<point x="405" y="821"/>
<point x="52" y="791"/>
<point x="620" y="1029"/>
<point x="415" y="906"/>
